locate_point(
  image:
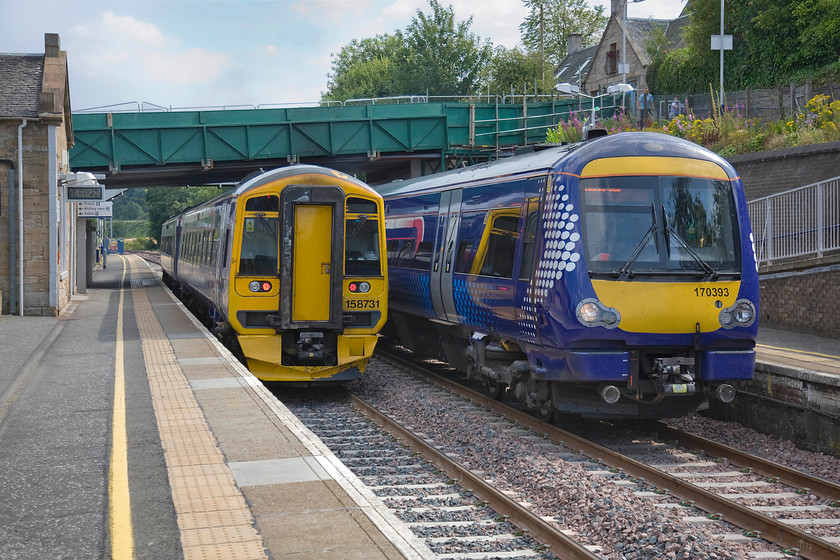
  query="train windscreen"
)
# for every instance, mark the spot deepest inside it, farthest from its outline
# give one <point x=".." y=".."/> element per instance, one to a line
<point x="361" y="247"/>
<point x="258" y="256"/>
<point x="659" y="225"/>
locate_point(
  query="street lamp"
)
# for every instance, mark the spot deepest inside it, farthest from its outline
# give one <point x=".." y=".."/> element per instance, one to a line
<point x="624" y="68"/>
<point x="571" y="89"/>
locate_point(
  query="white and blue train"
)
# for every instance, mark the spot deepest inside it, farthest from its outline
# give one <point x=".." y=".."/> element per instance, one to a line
<point x="613" y="278"/>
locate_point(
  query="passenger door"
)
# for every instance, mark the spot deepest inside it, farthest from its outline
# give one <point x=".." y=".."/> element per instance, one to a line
<point x="443" y="265"/>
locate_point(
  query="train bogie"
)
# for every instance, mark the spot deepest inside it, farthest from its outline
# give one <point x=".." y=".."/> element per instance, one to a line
<point x="288" y="267"/>
<point x="613" y="278"/>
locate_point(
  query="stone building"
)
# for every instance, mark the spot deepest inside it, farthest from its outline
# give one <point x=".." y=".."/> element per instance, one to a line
<point x="598" y="67"/>
<point x="36" y="224"/>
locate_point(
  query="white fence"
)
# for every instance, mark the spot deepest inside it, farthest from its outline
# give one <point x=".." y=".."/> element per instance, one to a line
<point x="799" y="222"/>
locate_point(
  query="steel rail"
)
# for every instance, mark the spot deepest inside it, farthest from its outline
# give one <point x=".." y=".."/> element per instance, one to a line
<point x="815" y="485"/>
<point x="772" y="530"/>
<point x="560" y="544"/>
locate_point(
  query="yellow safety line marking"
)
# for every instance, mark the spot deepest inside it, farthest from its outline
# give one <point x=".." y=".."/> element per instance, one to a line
<point x="798" y="351"/>
<point x="122" y="535"/>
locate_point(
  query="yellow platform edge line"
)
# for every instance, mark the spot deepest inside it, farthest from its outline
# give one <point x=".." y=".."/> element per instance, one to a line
<point x="122" y="533"/>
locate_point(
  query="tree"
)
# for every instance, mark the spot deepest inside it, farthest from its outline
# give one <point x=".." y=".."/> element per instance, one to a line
<point x="366" y="68"/>
<point x="550" y="22"/>
<point x="164" y="202"/>
<point x="434" y="54"/>
<point x="517" y="69"/>
<point x="774" y="41"/>
<point x="442" y="57"/>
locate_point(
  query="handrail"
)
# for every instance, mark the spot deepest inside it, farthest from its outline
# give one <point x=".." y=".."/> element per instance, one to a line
<point x="801" y="221"/>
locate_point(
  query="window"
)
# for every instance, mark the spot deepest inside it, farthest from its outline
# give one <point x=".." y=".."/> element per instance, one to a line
<point x="361" y="247"/>
<point x="673" y="224"/>
<point x="532" y="220"/>
<point x="496" y="259"/>
<point x="258" y="255"/>
<point x="612" y="59"/>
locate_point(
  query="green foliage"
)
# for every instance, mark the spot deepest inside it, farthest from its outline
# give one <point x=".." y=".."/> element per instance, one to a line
<point x="550" y="22"/>
<point x="518" y="69"/>
<point x="141" y="244"/>
<point x="434" y="55"/>
<point x="164" y="202"/>
<point x="728" y="132"/>
<point x="774" y="41"/>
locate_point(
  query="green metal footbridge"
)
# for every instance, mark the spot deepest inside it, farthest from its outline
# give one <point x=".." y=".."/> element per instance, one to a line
<point x="384" y="139"/>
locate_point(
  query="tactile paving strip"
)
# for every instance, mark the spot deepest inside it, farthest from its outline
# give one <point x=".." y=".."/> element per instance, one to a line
<point x="213" y="518"/>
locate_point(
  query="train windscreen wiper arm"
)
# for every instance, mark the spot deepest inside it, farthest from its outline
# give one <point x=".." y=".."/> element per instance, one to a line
<point x="697" y="258"/>
<point x="625" y="270"/>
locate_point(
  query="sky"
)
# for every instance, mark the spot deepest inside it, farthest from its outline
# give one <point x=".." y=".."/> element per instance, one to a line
<point x="230" y="53"/>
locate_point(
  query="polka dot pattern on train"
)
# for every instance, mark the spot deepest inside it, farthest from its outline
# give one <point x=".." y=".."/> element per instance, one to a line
<point x="561" y="250"/>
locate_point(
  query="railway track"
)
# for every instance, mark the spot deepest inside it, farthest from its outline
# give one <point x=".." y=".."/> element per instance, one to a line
<point x="798" y="513"/>
<point x="453" y="510"/>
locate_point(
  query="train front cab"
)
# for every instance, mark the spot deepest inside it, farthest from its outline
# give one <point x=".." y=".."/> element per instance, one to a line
<point x="671" y="299"/>
<point x="314" y="250"/>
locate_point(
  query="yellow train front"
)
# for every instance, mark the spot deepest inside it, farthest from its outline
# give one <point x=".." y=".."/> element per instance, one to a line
<point x="288" y="266"/>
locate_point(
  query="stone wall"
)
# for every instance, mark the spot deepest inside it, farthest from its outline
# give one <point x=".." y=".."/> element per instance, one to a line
<point x="766" y="173"/>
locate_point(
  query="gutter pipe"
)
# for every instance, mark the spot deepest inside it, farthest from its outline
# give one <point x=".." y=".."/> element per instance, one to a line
<point x="20" y="212"/>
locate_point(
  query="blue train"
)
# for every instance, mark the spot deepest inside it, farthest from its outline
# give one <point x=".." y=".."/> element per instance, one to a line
<point x="613" y="278"/>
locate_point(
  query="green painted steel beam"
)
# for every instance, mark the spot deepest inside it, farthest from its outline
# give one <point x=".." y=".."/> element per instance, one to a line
<point x="116" y="140"/>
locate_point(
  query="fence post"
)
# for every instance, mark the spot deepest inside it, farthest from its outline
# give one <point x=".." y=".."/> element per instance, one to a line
<point x="769" y="241"/>
<point x="820" y="220"/>
<point x="747" y="103"/>
<point x="472" y="125"/>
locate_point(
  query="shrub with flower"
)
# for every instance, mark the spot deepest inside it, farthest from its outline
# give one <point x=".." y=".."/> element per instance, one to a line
<point x="727" y="132"/>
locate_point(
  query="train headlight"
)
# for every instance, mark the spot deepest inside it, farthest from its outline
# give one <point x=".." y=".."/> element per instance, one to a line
<point x="359" y="287"/>
<point x="593" y="313"/>
<point x="257" y="286"/>
<point x="742" y="314"/>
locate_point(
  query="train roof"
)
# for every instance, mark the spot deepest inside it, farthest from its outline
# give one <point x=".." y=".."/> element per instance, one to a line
<point x="259" y="178"/>
<point x="578" y="154"/>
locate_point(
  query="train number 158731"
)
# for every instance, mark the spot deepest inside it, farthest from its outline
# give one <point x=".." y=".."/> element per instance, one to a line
<point x="711" y="292"/>
<point x="362" y="304"/>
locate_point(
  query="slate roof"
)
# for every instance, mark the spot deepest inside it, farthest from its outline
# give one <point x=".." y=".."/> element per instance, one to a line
<point x="575" y="66"/>
<point x="21" y="77"/>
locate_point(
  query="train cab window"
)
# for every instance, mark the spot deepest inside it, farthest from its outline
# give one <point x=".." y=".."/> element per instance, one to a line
<point x="267" y="203"/>
<point x="360" y="206"/>
<point x="258" y="255"/>
<point x="501" y="248"/>
<point x="361" y="247"/>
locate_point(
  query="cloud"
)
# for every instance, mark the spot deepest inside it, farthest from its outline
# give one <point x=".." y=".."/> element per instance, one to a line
<point x="271" y="50"/>
<point x="140" y="56"/>
<point x="331" y="10"/>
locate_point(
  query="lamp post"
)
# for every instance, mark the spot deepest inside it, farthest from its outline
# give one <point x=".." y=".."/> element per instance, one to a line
<point x="624" y="69"/>
<point x="571" y="89"/>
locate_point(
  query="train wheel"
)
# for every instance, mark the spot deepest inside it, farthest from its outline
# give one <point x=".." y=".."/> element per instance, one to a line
<point x="495" y="389"/>
<point x="546" y="413"/>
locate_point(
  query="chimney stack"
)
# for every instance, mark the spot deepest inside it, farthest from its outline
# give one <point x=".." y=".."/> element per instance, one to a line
<point x="573" y="42"/>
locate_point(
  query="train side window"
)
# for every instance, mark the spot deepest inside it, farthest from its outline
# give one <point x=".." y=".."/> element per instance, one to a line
<point x="529" y="241"/>
<point x="225" y="249"/>
<point x="267" y="203"/>
<point x="501" y="248"/>
<point x="423" y="255"/>
<point x="258" y="254"/>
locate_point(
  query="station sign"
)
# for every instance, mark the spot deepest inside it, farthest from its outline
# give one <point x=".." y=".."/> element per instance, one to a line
<point x="78" y="193"/>
<point x="96" y="209"/>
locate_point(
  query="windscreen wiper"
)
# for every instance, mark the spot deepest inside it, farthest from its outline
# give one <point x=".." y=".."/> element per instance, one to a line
<point x="625" y="270"/>
<point x="697" y="258"/>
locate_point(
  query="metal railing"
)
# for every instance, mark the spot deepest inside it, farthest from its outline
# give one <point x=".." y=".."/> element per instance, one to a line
<point x="799" y="222"/>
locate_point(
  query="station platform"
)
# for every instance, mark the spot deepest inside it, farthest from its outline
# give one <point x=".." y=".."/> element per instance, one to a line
<point x="128" y="431"/>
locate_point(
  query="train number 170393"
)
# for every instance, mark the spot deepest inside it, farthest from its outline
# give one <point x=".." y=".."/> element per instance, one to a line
<point x="711" y="292"/>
